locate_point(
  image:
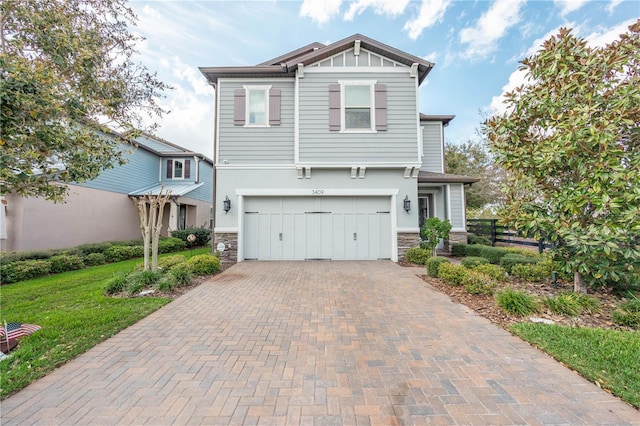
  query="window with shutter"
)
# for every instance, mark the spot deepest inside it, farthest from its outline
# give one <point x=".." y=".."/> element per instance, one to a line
<point x="169" y="169"/>
<point x="257" y="106"/>
<point x="357" y="106"/>
<point x="187" y="169"/>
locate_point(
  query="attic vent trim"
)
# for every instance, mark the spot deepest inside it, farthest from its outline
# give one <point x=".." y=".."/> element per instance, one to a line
<point x="356" y="48"/>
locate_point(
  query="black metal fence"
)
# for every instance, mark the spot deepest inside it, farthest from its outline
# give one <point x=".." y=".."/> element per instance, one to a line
<point x="498" y="233"/>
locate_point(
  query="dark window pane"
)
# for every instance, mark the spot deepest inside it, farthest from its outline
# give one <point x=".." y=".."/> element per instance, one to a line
<point x="357" y="118"/>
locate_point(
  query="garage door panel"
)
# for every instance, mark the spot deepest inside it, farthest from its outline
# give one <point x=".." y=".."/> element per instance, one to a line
<point x="340" y="228"/>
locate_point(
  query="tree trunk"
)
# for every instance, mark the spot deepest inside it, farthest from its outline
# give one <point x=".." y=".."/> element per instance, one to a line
<point x="579" y="285"/>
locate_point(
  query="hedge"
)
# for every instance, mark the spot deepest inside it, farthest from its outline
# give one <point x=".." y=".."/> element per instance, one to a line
<point x="417" y="255"/>
<point x="433" y="264"/>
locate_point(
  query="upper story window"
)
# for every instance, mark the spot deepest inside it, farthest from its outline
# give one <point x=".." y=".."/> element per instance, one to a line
<point x="357" y="106"/>
<point x="257" y="106"/>
<point x="178" y="168"/>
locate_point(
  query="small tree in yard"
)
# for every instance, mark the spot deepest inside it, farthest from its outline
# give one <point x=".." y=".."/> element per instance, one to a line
<point x="151" y="209"/>
<point x="432" y="231"/>
<point x="570" y="141"/>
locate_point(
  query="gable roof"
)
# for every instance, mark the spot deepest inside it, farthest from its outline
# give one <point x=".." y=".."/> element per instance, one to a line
<point x="164" y="148"/>
<point x="287" y="64"/>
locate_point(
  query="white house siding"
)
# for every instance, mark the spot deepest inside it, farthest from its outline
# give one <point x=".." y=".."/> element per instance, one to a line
<point x="397" y="144"/>
<point x="88" y="216"/>
<point x="432" y="147"/>
<point x="255" y="145"/>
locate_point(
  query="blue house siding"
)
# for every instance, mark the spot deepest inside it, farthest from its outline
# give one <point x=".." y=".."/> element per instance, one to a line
<point x="205" y="192"/>
<point x="140" y="170"/>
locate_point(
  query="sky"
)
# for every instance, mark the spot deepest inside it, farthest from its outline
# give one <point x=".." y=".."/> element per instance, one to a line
<point x="476" y="47"/>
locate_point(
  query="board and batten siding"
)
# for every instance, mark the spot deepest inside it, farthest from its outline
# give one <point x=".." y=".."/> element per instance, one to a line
<point x="457" y="206"/>
<point x="140" y="170"/>
<point x="432" y="147"/>
<point x="317" y="144"/>
<point x="256" y="145"/>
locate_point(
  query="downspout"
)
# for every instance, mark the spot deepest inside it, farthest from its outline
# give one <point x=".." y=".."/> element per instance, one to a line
<point x="215" y="170"/>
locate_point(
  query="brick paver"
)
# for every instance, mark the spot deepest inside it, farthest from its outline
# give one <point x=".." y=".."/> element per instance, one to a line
<point x="325" y="343"/>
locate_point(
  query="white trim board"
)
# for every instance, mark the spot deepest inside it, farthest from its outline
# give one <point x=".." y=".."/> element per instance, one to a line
<point x="319" y="192"/>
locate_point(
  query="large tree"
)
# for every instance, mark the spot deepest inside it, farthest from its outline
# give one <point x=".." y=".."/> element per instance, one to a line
<point x="472" y="158"/>
<point x="570" y="140"/>
<point x="68" y="71"/>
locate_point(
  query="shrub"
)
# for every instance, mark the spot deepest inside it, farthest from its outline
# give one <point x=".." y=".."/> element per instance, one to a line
<point x="452" y="274"/>
<point x="65" y="262"/>
<point x="473" y="261"/>
<point x="203" y="235"/>
<point x="168" y="262"/>
<point x="459" y="250"/>
<point x="167" y="283"/>
<point x="433" y="264"/>
<point x="494" y="271"/>
<point x="475" y="282"/>
<point x="493" y="254"/>
<point x="478" y="239"/>
<point x="517" y="302"/>
<point x="181" y="274"/>
<point x="473" y="250"/>
<point x="87" y="249"/>
<point x="145" y="278"/>
<point x="562" y="304"/>
<point x="27" y="255"/>
<point x="23" y="270"/>
<point x="508" y="261"/>
<point x="118" y="253"/>
<point x="523" y="252"/>
<point x="531" y="272"/>
<point x="203" y="264"/>
<point x="169" y="245"/>
<point x="432" y="231"/>
<point x="116" y="285"/>
<point x="417" y="255"/>
<point x="627" y="314"/>
<point x="94" y="259"/>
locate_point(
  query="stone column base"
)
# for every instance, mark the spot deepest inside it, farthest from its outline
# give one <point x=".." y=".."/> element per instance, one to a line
<point x="454" y="238"/>
<point x="230" y="241"/>
<point x="406" y="240"/>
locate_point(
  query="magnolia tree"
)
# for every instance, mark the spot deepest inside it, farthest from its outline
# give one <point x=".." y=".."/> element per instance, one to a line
<point x="151" y="208"/>
<point x="570" y="142"/>
<point x="67" y="71"/>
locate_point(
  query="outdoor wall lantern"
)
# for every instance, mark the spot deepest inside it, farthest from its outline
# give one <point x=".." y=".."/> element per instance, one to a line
<point x="226" y="204"/>
<point x="407" y="204"/>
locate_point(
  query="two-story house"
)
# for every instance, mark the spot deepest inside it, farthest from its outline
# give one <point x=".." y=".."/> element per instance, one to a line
<point x="101" y="209"/>
<point x="322" y="153"/>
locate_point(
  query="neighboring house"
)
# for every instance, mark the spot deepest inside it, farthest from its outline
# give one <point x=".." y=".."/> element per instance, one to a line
<point x="102" y="210"/>
<point x="322" y="153"/>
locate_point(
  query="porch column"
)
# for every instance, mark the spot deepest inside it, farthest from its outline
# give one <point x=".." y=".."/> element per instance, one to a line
<point x="173" y="216"/>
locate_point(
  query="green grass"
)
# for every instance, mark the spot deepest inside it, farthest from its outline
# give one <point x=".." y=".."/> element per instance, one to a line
<point x="75" y="315"/>
<point x="609" y="357"/>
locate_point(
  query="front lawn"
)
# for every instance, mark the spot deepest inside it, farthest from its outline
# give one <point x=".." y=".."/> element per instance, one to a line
<point x="75" y="315"/>
<point x="610" y="358"/>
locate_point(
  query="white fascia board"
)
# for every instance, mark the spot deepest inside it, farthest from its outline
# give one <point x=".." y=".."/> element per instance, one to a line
<point x="256" y="167"/>
<point x="341" y="192"/>
<point x="361" y="70"/>
<point x="217" y="124"/>
<point x="372" y="165"/>
<point x="255" y="80"/>
<point x="418" y="126"/>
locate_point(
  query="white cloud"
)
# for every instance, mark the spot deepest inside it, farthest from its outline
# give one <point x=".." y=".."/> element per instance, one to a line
<point x="431" y="12"/>
<point x="492" y="26"/>
<point x="431" y="57"/>
<point x="518" y="78"/>
<point x="612" y="6"/>
<point x="607" y="35"/>
<point x="320" y="11"/>
<point x="568" y="6"/>
<point x="380" y="7"/>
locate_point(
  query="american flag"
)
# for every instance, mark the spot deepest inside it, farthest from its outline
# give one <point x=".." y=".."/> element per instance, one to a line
<point x="13" y="330"/>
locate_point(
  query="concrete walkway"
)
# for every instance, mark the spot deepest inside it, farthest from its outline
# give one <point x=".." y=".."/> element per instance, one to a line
<point x="314" y="343"/>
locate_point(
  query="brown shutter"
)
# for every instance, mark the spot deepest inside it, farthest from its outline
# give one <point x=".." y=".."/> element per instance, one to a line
<point x="239" y="107"/>
<point x="381" y="107"/>
<point x="334" y="107"/>
<point x="187" y="169"/>
<point x="274" y="107"/>
<point x="169" y="169"/>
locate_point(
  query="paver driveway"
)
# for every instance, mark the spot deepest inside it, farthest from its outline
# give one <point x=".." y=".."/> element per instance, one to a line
<point x="314" y="342"/>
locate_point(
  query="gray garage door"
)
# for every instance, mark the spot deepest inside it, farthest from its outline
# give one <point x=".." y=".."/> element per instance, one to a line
<point x="300" y="228"/>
